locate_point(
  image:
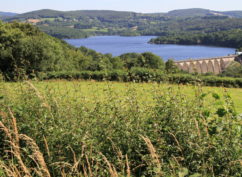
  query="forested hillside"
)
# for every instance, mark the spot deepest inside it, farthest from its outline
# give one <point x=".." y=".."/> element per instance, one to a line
<point x="7" y="14"/>
<point x="84" y="23"/>
<point x="4" y="15"/>
<point x="230" y="38"/>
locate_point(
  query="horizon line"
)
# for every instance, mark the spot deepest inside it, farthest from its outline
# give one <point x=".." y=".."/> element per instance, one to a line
<point x="116" y="10"/>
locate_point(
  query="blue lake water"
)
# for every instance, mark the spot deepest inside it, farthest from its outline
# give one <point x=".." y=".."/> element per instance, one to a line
<point x="117" y="45"/>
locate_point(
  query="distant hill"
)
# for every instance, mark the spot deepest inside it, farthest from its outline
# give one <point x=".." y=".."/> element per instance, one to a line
<point x="202" y="12"/>
<point x="188" y="12"/>
<point x="48" y="13"/>
<point x="84" y="23"/>
<point x="7" y="14"/>
<point x="195" y="12"/>
<point x="236" y="14"/>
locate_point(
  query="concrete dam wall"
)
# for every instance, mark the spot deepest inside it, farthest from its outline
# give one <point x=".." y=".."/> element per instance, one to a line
<point x="206" y="65"/>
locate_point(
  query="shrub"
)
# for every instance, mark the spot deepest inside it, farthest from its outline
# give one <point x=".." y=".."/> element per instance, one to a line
<point x="144" y="75"/>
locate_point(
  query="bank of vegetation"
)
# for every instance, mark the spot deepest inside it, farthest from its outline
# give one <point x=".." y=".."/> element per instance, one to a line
<point x="26" y="52"/>
<point x="230" y="38"/>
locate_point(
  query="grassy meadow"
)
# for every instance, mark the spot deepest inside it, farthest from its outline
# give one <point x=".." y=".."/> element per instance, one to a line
<point x="145" y="92"/>
<point x="88" y="128"/>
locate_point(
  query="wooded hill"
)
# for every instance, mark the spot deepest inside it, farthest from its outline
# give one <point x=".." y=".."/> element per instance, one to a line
<point x="7" y="14"/>
<point x="4" y="15"/>
<point x="84" y="23"/>
<point x="44" y="13"/>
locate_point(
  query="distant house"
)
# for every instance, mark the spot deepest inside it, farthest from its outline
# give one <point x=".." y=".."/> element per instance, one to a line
<point x="33" y="21"/>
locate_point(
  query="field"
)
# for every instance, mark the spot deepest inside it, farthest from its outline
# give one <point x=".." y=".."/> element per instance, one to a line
<point x="95" y="29"/>
<point x="94" y="91"/>
<point x="88" y="128"/>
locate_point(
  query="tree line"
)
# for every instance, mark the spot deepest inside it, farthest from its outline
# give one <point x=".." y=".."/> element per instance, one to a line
<point x="231" y="38"/>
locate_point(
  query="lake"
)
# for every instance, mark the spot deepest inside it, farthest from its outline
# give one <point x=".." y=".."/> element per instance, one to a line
<point x="117" y="45"/>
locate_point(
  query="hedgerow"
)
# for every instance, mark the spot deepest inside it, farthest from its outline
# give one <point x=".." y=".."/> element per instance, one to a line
<point x="144" y="75"/>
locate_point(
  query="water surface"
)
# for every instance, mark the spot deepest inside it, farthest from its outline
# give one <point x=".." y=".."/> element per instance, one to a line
<point x="117" y="45"/>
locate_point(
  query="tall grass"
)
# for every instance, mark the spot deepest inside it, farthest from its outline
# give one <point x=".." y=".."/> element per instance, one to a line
<point x="63" y="132"/>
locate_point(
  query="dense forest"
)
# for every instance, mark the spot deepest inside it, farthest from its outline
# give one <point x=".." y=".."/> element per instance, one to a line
<point x="230" y="38"/>
<point x="84" y="23"/>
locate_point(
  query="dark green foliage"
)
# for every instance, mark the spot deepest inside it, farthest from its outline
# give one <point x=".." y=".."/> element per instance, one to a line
<point x="26" y="51"/>
<point x="115" y="75"/>
<point x="144" y="75"/>
<point x="170" y="67"/>
<point x="64" y="32"/>
<point x="145" y="60"/>
<point x="206" y="80"/>
<point x="231" y="38"/>
<point x="134" y="75"/>
<point x="239" y="57"/>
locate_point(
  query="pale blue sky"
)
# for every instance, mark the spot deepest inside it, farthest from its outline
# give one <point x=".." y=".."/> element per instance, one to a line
<point x="125" y="5"/>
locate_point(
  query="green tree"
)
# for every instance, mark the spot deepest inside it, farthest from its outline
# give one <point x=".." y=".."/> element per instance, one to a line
<point x="152" y="61"/>
<point x="171" y="67"/>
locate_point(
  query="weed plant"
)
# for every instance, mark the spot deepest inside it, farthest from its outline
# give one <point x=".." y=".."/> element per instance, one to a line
<point x="59" y="130"/>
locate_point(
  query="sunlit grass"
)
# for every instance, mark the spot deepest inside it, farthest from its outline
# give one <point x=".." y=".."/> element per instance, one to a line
<point x="124" y="129"/>
<point x="93" y="91"/>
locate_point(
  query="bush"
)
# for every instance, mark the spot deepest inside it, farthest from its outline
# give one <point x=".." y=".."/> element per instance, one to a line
<point x="144" y="75"/>
<point x="183" y="79"/>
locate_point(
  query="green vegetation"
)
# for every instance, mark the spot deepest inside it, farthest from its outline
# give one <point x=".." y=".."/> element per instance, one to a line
<point x="231" y="38"/>
<point x="28" y="53"/>
<point x="118" y="129"/>
<point x="25" y="51"/>
<point x="78" y="128"/>
<point x="188" y="26"/>
<point x="145" y="75"/>
<point x="80" y="24"/>
<point x="234" y="70"/>
<point x="64" y="32"/>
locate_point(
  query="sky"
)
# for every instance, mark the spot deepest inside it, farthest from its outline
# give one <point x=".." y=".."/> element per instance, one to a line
<point x="146" y="6"/>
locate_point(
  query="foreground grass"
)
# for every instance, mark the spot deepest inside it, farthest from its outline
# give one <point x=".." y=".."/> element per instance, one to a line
<point x="119" y="129"/>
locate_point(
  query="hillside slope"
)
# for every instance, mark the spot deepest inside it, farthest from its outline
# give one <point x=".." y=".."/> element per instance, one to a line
<point x="84" y="23"/>
<point x="8" y="14"/>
